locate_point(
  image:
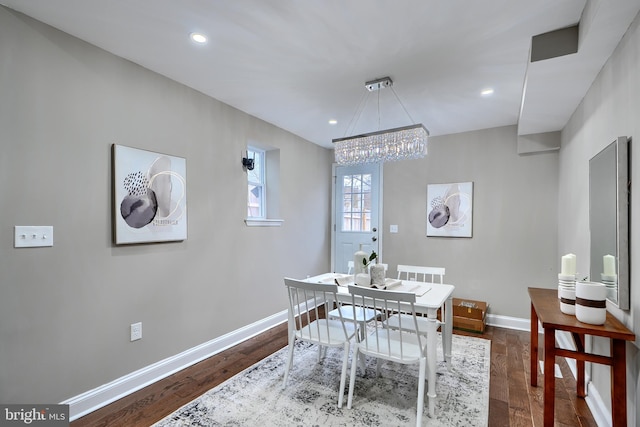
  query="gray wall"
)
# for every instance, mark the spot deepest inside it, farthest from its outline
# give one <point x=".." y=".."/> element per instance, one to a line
<point x="514" y="217"/>
<point x="610" y="109"/>
<point x="65" y="311"/>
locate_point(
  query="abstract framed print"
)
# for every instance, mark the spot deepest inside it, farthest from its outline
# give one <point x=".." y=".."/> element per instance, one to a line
<point x="450" y="209"/>
<point x="150" y="196"/>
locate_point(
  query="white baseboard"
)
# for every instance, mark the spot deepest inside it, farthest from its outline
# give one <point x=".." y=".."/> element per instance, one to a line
<point x="101" y="396"/>
<point x="508" y="322"/>
<point x="599" y="410"/>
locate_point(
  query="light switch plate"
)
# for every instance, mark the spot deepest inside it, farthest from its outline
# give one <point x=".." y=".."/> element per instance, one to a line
<point x="30" y="236"/>
<point x="393" y="228"/>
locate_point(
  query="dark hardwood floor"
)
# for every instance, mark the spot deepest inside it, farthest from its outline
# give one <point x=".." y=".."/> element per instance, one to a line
<point x="512" y="400"/>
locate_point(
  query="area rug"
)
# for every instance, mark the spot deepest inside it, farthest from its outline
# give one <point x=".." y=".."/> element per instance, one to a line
<point x="255" y="396"/>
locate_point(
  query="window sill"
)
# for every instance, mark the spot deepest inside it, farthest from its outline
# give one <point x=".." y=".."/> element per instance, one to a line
<point x="260" y="222"/>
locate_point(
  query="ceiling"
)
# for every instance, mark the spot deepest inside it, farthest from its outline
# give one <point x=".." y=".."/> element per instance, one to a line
<point x="299" y="63"/>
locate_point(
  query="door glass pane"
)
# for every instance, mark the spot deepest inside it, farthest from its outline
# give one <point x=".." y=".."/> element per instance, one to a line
<point x="357" y="183"/>
<point x="346" y="203"/>
<point x="366" y="183"/>
<point x="366" y="221"/>
<point x="356" y="206"/>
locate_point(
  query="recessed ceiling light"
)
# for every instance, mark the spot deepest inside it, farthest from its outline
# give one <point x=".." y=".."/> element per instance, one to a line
<point x="487" y="92"/>
<point x="198" y="38"/>
<point x="333" y="122"/>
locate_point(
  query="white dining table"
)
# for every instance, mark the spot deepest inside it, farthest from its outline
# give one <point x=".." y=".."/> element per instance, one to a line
<point x="437" y="296"/>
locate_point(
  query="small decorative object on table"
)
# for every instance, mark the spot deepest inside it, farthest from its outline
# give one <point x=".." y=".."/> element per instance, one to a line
<point x="377" y="274"/>
<point x="591" y="302"/>
<point x="362" y="278"/>
<point x="366" y="261"/>
<point x="358" y="258"/>
<point x="567" y="284"/>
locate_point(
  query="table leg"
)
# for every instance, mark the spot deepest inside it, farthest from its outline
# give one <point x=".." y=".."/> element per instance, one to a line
<point x="578" y="340"/>
<point x="549" y="375"/>
<point x="448" y="331"/>
<point x="432" y="342"/>
<point x="534" y="347"/>
<point x="618" y="383"/>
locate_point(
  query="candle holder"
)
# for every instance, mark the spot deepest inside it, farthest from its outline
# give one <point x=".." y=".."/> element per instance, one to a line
<point x="363" y="279"/>
<point x="567" y="293"/>
<point x="591" y="302"/>
<point x="567" y="300"/>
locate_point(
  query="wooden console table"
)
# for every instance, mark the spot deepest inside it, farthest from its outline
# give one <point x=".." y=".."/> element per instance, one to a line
<point x="545" y="306"/>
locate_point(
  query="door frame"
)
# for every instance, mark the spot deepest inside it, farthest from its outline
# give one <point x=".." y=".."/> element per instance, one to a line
<point x="334" y="207"/>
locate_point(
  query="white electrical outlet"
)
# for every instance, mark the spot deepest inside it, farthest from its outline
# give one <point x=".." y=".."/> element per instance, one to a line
<point x="136" y="331"/>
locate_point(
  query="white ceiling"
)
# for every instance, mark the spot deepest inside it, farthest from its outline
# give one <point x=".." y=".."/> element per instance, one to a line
<point x="298" y="63"/>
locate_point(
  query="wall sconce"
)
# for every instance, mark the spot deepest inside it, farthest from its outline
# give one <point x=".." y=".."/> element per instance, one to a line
<point x="248" y="163"/>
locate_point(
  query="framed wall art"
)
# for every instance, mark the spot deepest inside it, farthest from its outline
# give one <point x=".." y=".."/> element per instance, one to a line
<point x="150" y="196"/>
<point x="450" y="209"/>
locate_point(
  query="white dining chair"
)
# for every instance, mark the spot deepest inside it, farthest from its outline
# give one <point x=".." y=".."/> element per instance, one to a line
<point x="404" y="345"/>
<point x="421" y="274"/>
<point x="362" y="315"/>
<point x="418" y="274"/>
<point x="306" y="301"/>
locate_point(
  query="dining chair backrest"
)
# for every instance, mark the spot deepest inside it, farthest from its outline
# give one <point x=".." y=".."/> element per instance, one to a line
<point x="308" y="303"/>
<point x="396" y="344"/>
<point x="421" y="274"/>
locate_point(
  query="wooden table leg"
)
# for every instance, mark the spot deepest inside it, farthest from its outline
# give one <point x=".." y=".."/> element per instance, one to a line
<point x="578" y="339"/>
<point x="534" y="347"/>
<point x="618" y="383"/>
<point x="549" y="375"/>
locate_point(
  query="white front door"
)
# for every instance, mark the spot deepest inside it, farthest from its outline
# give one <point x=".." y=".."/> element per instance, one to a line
<point x="356" y="212"/>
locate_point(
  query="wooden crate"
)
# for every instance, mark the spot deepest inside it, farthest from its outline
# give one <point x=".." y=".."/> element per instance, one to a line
<point x="469" y="315"/>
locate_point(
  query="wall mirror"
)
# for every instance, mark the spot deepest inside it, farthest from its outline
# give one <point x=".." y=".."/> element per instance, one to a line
<point x="609" y="220"/>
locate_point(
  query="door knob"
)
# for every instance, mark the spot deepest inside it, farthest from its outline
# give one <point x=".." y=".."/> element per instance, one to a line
<point x="374" y="229"/>
<point x="374" y="238"/>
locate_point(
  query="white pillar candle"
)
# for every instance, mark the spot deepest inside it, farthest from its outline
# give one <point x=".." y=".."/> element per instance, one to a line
<point x="609" y="262"/>
<point x="568" y="266"/>
<point x="358" y="266"/>
<point x="572" y="270"/>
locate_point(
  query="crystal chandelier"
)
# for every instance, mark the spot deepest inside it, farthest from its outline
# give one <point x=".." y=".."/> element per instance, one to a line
<point x="407" y="142"/>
